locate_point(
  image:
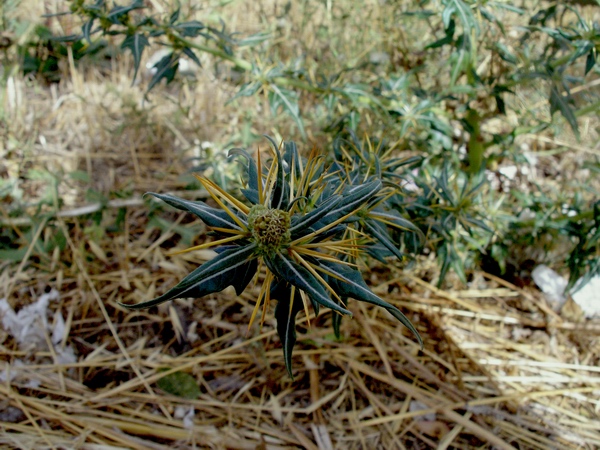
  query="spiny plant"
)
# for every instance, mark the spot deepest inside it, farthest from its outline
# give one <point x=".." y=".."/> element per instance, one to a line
<point x="443" y="204"/>
<point x="306" y="224"/>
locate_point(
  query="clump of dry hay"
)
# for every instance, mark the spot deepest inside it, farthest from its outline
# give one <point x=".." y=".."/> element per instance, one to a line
<point x="499" y="369"/>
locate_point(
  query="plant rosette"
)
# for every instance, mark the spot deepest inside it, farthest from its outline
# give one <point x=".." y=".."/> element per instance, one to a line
<point x="305" y="225"/>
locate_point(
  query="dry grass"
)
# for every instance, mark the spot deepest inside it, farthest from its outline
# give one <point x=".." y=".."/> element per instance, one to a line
<point x="500" y="369"/>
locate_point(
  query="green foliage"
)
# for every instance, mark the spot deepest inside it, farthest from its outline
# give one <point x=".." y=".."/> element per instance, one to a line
<point x="180" y="384"/>
<point x="308" y="226"/>
<point x="479" y="64"/>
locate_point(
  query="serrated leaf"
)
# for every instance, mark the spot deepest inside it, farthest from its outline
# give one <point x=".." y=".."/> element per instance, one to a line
<point x="165" y="68"/>
<point x="298" y="276"/>
<point x="180" y="384"/>
<point x="136" y="43"/>
<point x="288" y="100"/>
<point x="210" y="216"/>
<point x="212" y="276"/>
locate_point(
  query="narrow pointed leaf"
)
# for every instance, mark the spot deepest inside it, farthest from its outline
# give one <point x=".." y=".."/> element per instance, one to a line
<point x="190" y="29"/>
<point x="190" y="54"/>
<point x="298" y="276"/>
<point x="590" y="61"/>
<point x="280" y="198"/>
<point x="117" y="12"/>
<point x="288" y="100"/>
<point x="87" y="29"/>
<point x="560" y="103"/>
<point x="213" y="276"/>
<point x="305" y="221"/>
<point x="348" y="282"/>
<point x="136" y="43"/>
<point x="285" y="314"/>
<point x="210" y="216"/>
<point x="251" y="195"/>
<point x="165" y="68"/>
<point x="352" y="199"/>
<point x="382" y="236"/>
<point x="397" y="220"/>
<point x="336" y="321"/>
<point x="251" y="168"/>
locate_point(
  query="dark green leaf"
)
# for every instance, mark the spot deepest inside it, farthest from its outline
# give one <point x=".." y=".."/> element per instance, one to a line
<point x="397" y="220"/>
<point x="590" y="61"/>
<point x="558" y="102"/>
<point x="298" y="276"/>
<point x="210" y="216"/>
<point x="165" y="68"/>
<point x="302" y="222"/>
<point x="280" y="197"/>
<point x="212" y="276"/>
<point x="251" y="168"/>
<point x="288" y="100"/>
<point x="353" y="198"/>
<point x="174" y="16"/>
<point x="115" y="15"/>
<point x="380" y="233"/>
<point x="87" y="29"/>
<point x="190" y="54"/>
<point x="190" y="29"/>
<point x="136" y="43"/>
<point x="285" y="313"/>
<point x="349" y="283"/>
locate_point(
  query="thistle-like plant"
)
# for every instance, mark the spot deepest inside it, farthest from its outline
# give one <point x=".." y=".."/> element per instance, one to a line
<point x="305" y="224"/>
